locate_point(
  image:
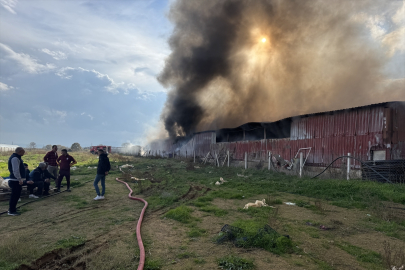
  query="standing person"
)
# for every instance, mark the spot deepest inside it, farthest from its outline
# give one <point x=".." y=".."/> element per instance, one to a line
<point x="17" y="177"/>
<point x="51" y="158"/>
<point x="65" y="161"/>
<point x="102" y="170"/>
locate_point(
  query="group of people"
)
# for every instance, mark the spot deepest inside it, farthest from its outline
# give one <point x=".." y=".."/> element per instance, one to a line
<point x="40" y="177"/>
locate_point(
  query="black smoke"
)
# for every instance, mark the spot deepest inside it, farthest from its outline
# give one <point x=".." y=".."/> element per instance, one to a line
<point x="220" y="74"/>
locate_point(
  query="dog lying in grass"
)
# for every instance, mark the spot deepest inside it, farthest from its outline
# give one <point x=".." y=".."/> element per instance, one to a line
<point x="258" y="203"/>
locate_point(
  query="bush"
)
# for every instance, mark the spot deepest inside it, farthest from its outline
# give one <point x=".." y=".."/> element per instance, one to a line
<point x="181" y="214"/>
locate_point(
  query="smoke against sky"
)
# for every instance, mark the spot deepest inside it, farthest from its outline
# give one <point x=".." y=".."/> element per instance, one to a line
<point x="234" y="62"/>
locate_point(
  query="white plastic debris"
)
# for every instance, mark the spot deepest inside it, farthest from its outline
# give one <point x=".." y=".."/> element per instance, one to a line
<point x="289" y="203"/>
<point x="74" y="168"/>
<point x="3" y="183"/>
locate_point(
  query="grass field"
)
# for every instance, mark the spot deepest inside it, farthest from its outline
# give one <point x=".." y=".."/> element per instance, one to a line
<point x="365" y="221"/>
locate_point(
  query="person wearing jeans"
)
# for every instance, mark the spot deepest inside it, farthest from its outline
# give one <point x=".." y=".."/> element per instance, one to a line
<point x="102" y="170"/>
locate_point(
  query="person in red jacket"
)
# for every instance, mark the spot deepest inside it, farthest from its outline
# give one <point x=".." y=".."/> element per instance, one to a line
<point x="51" y="158"/>
<point x="65" y="161"/>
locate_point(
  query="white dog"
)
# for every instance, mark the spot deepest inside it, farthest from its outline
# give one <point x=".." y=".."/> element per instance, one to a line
<point x="258" y="203"/>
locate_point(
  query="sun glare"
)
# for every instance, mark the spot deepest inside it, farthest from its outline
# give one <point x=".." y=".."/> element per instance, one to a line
<point x="263" y="40"/>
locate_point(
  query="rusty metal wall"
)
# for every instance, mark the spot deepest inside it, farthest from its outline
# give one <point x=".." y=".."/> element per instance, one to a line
<point x="358" y="131"/>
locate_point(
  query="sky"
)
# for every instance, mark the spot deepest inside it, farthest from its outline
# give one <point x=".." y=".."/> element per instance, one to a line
<point x="81" y="71"/>
<point x="85" y="71"/>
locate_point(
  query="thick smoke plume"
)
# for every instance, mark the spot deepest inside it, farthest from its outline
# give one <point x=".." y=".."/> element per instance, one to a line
<point x="237" y="61"/>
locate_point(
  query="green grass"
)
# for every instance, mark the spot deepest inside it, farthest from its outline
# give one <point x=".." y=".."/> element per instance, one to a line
<point x="361" y="254"/>
<point x="275" y="243"/>
<point x="196" y="232"/>
<point x="233" y="262"/>
<point x="76" y="201"/>
<point x="151" y="264"/>
<point x="391" y="228"/>
<point x="181" y="214"/>
<point x="72" y="241"/>
<point x="214" y="209"/>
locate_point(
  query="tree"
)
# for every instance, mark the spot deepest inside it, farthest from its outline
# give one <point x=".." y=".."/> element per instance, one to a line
<point x="76" y="147"/>
<point x="126" y="145"/>
<point x="32" y="145"/>
<point x="48" y="147"/>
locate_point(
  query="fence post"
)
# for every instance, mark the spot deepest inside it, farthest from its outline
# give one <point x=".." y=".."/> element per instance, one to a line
<point x="216" y="159"/>
<point x="348" y="167"/>
<point x="194" y="155"/>
<point x="227" y="154"/>
<point x="245" y="160"/>
<point x="301" y="163"/>
<point x="269" y="160"/>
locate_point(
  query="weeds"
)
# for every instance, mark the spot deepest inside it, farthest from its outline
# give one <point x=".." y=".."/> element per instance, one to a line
<point x="252" y="237"/>
<point x="196" y="232"/>
<point x="181" y="214"/>
<point x="199" y="261"/>
<point x="232" y="262"/>
<point x="153" y="264"/>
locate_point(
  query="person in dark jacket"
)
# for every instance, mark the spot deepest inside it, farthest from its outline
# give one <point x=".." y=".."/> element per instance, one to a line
<point x="41" y="178"/>
<point x="29" y="183"/>
<point x="17" y="177"/>
<point x="102" y="170"/>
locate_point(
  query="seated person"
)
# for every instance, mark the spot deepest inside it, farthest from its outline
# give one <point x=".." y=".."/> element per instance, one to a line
<point x="27" y="182"/>
<point x="27" y="171"/>
<point x="40" y="177"/>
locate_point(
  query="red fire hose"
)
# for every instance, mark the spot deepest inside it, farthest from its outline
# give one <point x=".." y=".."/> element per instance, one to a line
<point x="138" y="226"/>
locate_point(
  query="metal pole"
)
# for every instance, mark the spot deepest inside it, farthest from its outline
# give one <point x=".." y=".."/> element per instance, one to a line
<point x="301" y="163"/>
<point x="216" y="159"/>
<point x="194" y="155"/>
<point x="348" y="167"/>
<point x="245" y="160"/>
<point x="269" y="160"/>
<point x="227" y="154"/>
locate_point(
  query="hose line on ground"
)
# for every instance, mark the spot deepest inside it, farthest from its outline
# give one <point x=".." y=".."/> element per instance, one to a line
<point x="362" y="163"/>
<point x="138" y="226"/>
<point x="1" y="213"/>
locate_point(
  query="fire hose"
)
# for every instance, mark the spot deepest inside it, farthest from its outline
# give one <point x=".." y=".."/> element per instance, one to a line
<point x="138" y="226"/>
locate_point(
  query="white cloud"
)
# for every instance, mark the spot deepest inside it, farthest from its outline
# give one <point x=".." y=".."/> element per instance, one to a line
<point x="91" y="117"/>
<point x="55" y="115"/>
<point x="5" y="87"/>
<point x="57" y="55"/>
<point x="9" y="5"/>
<point x="109" y="84"/>
<point x="27" y="63"/>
